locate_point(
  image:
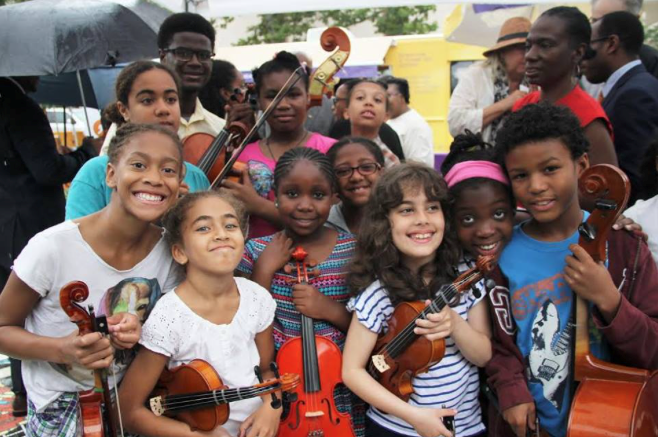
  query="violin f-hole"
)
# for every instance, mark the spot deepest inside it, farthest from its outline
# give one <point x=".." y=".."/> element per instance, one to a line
<point x="335" y="421"/>
<point x="298" y="416"/>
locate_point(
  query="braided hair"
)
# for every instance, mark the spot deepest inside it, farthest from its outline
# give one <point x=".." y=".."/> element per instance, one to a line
<point x="291" y="157"/>
<point x="367" y="144"/>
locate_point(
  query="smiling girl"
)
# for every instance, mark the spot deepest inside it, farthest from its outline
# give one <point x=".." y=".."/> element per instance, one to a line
<point x="147" y="92"/>
<point x="407" y="251"/>
<point x="286" y="132"/>
<point x="102" y="250"/>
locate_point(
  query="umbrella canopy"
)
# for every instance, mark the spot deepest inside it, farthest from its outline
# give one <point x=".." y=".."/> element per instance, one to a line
<point x="44" y="37"/>
<point x="64" y="90"/>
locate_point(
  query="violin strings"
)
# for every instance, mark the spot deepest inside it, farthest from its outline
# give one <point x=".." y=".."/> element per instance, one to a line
<point x="183" y="401"/>
<point x="205" y="164"/>
<point x="402" y="340"/>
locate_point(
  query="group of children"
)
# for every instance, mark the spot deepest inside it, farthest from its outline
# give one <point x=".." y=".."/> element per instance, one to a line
<point x="380" y="236"/>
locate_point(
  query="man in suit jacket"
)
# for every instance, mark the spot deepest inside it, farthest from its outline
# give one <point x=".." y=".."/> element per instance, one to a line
<point x="648" y="55"/>
<point x="31" y="176"/>
<point x="630" y="93"/>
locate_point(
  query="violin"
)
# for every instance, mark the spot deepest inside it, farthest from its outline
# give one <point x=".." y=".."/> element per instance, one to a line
<point x="210" y="153"/>
<point x="195" y="394"/>
<point x="319" y="360"/>
<point x="96" y="408"/>
<point x="400" y="353"/>
<point x="633" y="392"/>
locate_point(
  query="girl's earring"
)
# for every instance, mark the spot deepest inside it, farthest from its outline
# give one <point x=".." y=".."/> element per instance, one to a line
<point x="276" y="204"/>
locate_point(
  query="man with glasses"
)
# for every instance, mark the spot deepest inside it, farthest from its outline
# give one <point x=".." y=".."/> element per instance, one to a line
<point x="186" y="42"/>
<point x="648" y="55"/>
<point x="414" y="132"/>
<point x="630" y="93"/>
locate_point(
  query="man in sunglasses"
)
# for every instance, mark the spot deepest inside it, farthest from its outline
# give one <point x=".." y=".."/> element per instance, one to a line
<point x="186" y="43"/>
<point x="630" y="93"/>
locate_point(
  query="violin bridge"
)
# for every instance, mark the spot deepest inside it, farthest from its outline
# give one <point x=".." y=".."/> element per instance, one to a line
<point x="156" y="405"/>
<point x="379" y="361"/>
<point x="314" y="414"/>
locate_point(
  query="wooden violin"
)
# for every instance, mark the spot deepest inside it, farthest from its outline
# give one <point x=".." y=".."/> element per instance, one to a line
<point x="319" y="360"/>
<point x="400" y="353"/>
<point x="210" y="153"/>
<point x="195" y="394"/>
<point x="611" y="400"/>
<point x="96" y="410"/>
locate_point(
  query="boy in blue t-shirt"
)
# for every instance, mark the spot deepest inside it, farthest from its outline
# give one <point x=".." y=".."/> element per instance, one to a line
<point x="544" y="151"/>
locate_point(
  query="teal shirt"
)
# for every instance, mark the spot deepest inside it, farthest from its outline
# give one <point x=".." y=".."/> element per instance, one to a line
<point x="89" y="193"/>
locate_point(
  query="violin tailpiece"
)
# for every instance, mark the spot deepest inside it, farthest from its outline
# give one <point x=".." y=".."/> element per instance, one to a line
<point x="379" y="361"/>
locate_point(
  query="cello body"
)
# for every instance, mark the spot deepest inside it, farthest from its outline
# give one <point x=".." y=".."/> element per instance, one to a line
<point x="611" y="400"/>
<point x="632" y="413"/>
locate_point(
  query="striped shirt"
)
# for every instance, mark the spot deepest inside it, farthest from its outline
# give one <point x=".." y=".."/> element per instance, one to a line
<point x="453" y="382"/>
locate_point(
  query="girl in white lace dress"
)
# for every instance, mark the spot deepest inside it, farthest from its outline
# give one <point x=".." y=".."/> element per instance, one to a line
<point x="212" y="316"/>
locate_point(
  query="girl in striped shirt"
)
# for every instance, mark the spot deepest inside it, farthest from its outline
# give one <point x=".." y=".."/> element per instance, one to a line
<point x="406" y="251"/>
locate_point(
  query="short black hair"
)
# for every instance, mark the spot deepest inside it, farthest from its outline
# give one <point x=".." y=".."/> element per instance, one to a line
<point x="540" y="122"/>
<point x="402" y="84"/>
<point x="575" y="23"/>
<point x="184" y="22"/>
<point x="367" y="144"/>
<point x="353" y="84"/>
<point x="627" y="27"/>
<point x="283" y="61"/>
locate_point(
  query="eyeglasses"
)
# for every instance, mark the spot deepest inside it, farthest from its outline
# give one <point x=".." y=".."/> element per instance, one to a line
<point x="185" y="54"/>
<point x="603" y="38"/>
<point x="335" y="99"/>
<point x="365" y="169"/>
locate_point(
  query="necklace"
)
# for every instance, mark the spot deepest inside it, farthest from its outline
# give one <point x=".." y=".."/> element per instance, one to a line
<point x="269" y="149"/>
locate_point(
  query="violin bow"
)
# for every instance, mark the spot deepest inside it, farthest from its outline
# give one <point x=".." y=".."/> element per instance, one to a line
<point x="296" y="75"/>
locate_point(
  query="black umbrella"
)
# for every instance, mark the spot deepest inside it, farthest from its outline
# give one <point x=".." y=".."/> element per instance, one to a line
<point x="64" y="90"/>
<point x="42" y="37"/>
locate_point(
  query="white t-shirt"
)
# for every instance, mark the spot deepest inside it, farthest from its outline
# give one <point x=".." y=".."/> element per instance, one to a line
<point x="645" y="212"/>
<point x="416" y="137"/>
<point x="59" y="255"/>
<point x="177" y="332"/>
<point x="453" y="382"/>
<point x="474" y="92"/>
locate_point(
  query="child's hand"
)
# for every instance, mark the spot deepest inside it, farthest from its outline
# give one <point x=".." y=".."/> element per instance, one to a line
<point x="125" y="330"/>
<point x="428" y="421"/>
<point x="591" y="281"/>
<point x="521" y="417"/>
<point x="630" y="225"/>
<point x="92" y="351"/>
<point x="264" y="422"/>
<point x="276" y="254"/>
<point x="438" y="325"/>
<point x="243" y="190"/>
<point x="183" y="189"/>
<point x="310" y="302"/>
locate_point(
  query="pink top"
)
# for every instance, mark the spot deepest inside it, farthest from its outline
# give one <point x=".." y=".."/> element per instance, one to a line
<point x="261" y="172"/>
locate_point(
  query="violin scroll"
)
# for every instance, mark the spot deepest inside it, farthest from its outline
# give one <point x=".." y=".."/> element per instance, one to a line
<point x="70" y="297"/>
<point x="322" y="79"/>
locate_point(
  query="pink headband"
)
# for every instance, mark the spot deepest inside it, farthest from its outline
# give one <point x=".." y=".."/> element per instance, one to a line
<point x="475" y="169"/>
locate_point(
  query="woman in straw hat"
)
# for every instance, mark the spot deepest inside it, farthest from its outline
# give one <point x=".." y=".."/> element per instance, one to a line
<point x="489" y="89"/>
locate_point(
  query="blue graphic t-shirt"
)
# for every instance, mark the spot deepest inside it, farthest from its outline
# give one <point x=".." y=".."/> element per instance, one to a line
<point x="541" y="306"/>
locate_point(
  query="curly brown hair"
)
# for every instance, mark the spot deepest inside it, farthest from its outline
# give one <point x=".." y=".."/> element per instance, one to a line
<point x="376" y="256"/>
<point x="174" y="218"/>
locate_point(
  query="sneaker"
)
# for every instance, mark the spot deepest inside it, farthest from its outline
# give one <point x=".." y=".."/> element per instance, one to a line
<point x="19" y="406"/>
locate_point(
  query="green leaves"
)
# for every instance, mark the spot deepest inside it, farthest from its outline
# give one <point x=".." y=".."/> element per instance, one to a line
<point x="276" y="28"/>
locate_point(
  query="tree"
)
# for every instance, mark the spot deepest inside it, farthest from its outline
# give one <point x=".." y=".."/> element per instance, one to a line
<point x="9" y="2"/>
<point x="651" y="35"/>
<point x="404" y="20"/>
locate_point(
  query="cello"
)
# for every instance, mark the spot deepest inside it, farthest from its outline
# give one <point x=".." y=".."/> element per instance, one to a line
<point x="195" y="394"/>
<point x="319" y="360"/>
<point x="96" y="410"/>
<point x="402" y="354"/>
<point x="633" y="392"/>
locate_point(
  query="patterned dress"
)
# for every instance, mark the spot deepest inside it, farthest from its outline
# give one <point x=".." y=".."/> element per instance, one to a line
<point x="287" y="321"/>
